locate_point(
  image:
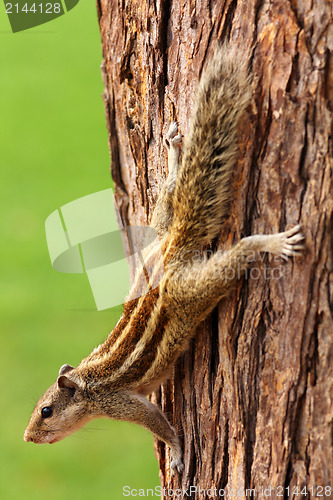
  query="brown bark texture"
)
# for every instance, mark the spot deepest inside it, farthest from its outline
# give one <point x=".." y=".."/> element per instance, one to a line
<point x="253" y="398"/>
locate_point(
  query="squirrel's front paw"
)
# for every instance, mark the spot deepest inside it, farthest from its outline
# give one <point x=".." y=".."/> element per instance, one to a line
<point x="176" y="465"/>
<point x="172" y="137"/>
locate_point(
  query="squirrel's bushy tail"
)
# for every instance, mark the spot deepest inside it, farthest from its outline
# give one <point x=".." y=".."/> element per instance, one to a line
<point x="202" y="191"/>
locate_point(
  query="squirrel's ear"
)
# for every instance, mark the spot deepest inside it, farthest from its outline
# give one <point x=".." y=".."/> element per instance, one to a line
<point x="64" y="369"/>
<point x="65" y="382"/>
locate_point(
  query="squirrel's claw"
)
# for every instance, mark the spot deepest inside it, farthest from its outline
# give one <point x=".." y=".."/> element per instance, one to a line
<point x="172" y="137"/>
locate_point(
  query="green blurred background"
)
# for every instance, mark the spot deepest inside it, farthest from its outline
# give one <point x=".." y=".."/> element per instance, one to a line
<point x="53" y="147"/>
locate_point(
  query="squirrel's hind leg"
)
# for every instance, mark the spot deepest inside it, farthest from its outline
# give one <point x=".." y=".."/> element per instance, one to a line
<point x="163" y="212"/>
<point x="198" y="286"/>
<point x="172" y="143"/>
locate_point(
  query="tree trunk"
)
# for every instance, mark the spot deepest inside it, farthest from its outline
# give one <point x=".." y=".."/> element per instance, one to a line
<point x="253" y="398"/>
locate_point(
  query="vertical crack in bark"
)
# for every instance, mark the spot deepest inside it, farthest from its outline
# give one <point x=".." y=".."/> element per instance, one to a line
<point x="328" y="79"/>
<point x="163" y="46"/>
<point x="214" y="351"/>
<point x="125" y="72"/>
<point x="294" y="74"/>
<point x="253" y="407"/>
<point x="313" y="354"/>
<point x="224" y="476"/>
<point x="287" y="481"/>
<point x="238" y="319"/>
<point x="229" y="19"/>
<point x="330" y="264"/>
<point x="302" y="162"/>
<point x="262" y="138"/>
<point x="251" y="200"/>
<point x="114" y="145"/>
<point x="138" y="147"/>
<point x="192" y="464"/>
<point x="257" y="12"/>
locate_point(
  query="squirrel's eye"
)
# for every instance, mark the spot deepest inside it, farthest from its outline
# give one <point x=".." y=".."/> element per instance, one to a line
<point x="47" y="412"/>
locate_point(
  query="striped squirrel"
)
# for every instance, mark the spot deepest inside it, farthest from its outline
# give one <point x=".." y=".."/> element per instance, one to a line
<point x="155" y="329"/>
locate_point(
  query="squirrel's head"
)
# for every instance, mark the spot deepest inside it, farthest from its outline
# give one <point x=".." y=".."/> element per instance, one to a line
<point x="60" y="411"/>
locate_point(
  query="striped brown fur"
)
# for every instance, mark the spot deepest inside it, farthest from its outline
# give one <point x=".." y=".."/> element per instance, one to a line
<point x="136" y="315"/>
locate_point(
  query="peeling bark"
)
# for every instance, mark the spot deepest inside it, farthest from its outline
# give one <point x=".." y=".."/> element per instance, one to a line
<point x="253" y="398"/>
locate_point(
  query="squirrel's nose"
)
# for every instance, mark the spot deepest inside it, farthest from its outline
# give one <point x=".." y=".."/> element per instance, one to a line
<point x="26" y="436"/>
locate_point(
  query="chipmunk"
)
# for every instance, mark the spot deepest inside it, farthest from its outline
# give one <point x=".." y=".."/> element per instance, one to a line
<point x="155" y="329"/>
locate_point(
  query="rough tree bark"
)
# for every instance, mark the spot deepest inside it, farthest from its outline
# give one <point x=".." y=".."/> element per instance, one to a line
<point x="253" y="398"/>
